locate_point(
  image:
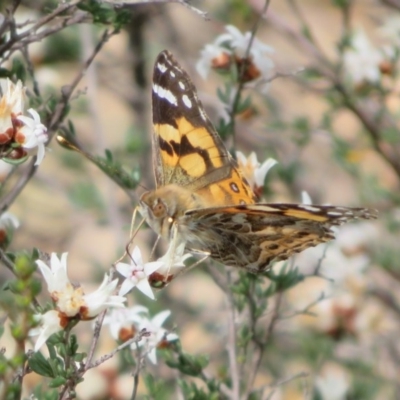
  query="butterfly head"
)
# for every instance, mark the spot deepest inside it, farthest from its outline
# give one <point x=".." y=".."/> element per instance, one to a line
<point x="157" y="213"/>
<point x="162" y="207"/>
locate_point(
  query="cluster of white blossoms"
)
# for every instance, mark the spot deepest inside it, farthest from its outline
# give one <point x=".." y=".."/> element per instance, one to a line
<point x="231" y="48"/>
<point x="365" y="61"/>
<point x="362" y="60"/>
<point x="70" y="301"/>
<point x="125" y="323"/>
<point x="19" y="133"/>
<point x="72" y="304"/>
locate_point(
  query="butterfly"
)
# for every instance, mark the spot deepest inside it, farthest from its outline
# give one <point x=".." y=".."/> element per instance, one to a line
<point x="202" y="198"/>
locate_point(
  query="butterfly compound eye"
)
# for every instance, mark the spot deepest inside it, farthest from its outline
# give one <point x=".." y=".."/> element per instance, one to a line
<point x="159" y="209"/>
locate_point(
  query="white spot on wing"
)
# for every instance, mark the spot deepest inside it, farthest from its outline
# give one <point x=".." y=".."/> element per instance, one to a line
<point x="172" y="73"/>
<point x="186" y="101"/>
<point x="239" y="218"/>
<point x="181" y="85"/>
<point x="201" y="110"/>
<point x="204" y="116"/>
<point x="165" y="94"/>
<point x="161" y="67"/>
<point x="335" y="213"/>
<point x="309" y="208"/>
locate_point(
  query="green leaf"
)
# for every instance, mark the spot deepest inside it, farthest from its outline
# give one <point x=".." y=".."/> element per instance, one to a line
<point x="244" y="105"/>
<point x="224" y="94"/>
<point x="285" y="279"/>
<point x="188" y="364"/>
<point x="5" y="73"/>
<point x="73" y="345"/>
<point x="45" y="393"/>
<point x="86" y="195"/>
<point x="303" y="129"/>
<point x="157" y="388"/>
<point x="192" y="392"/>
<point x="18" y="69"/>
<point x="40" y="365"/>
<point x="56" y="382"/>
<point x="341" y="3"/>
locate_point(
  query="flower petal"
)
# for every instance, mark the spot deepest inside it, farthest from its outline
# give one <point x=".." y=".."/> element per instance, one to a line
<point x="50" y="324"/>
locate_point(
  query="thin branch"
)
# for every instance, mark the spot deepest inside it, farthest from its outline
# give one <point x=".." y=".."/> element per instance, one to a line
<point x="373" y="129"/>
<point x="27" y="174"/>
<point x="232" y="345"/>
<point x="305" y="310"/>
<point x="9" y="19"/>
<point x="386" y="298"/>
<point x="218" y="277"/>
<point x="18" y="41"/>
<point x="242" y="69"/>
<point x="66" y="91"/>
<point x="305" y="26"/>
<point x="392" y="3"/>
<point x="260" y="346"/>
<point x="282" y="382"/>
<point x="31" y="70"/>
<point x="107" y="356"/>
<point x="203" y="14"/>
<point x="57" y="118"/>
<point x="324" y="66"/>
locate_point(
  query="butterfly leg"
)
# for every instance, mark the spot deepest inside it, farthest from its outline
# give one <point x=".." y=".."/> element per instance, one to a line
<point x="172" y="251"/>
<point x="132" y="234"/>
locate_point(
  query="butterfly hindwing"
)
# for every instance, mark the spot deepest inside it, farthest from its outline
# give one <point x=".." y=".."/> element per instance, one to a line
<point x="254" y="235"/>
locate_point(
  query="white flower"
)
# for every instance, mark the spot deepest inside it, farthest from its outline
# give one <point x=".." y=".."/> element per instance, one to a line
<point x="122" y="321"/>
<point x="156" y="334"/>
<point x="332" y="383"/>
<point x="305" y="198"/>
<point x="32" y="134"/>
<point x="232" y="47"/>
<point x="137" y="273"/>
<point x="56" y="275"/>
<point x="70" y="300"/>
<point x="50" y="323"/>
<point x="362" y="59"/>
<point x="352" y="238"/>
<point x="390" y="30"/>
<point x="11" y="105"/>
<point x="8" y="220"/>
<point x="213" y="56"/>
<point x="253" y="171"/>
<point x="13" y="96"/>
<point x="239" y="42"/>
<point x="8" y="223"/>
<point x="26" y="131"/>
<point x="173" y="259"/>
<point x="101" y="299"/>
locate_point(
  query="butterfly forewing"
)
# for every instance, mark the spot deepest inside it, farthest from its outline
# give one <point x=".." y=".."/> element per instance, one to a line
<point x="186" y="147"/>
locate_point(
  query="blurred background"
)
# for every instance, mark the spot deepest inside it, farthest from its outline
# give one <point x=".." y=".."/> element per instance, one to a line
<point x="334" y="131"/>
